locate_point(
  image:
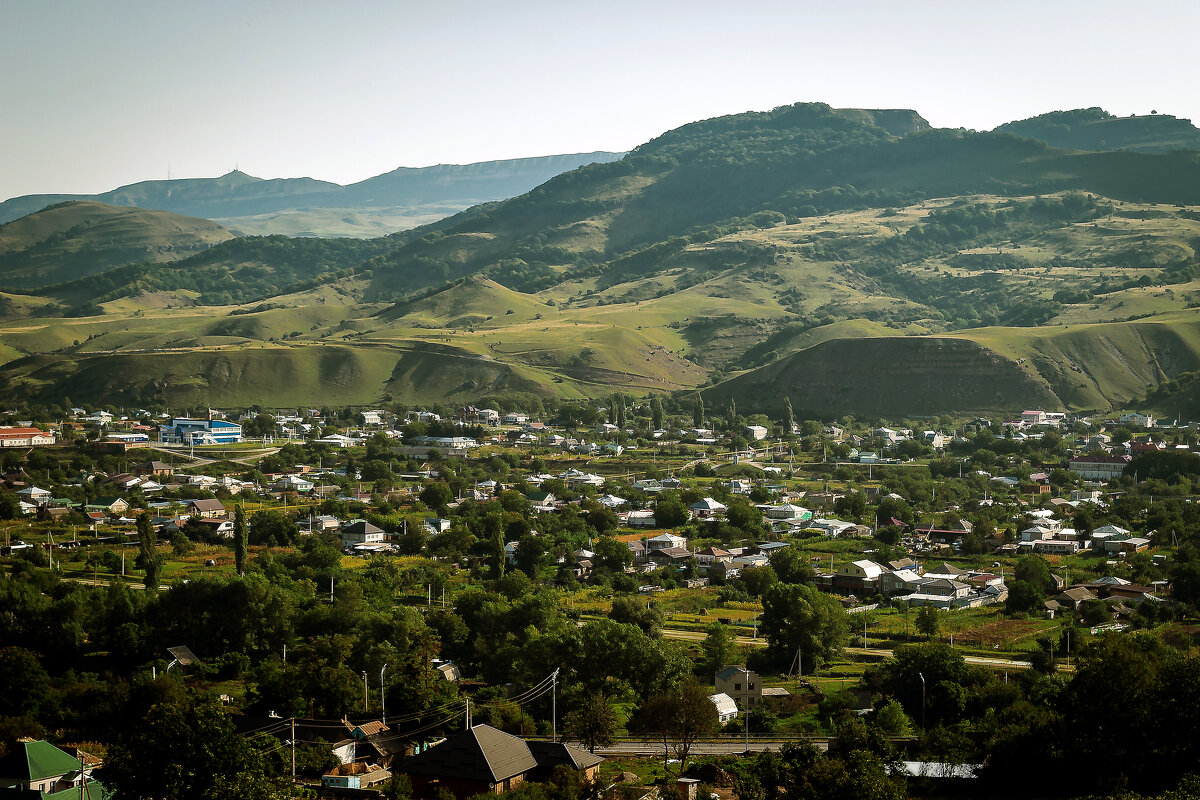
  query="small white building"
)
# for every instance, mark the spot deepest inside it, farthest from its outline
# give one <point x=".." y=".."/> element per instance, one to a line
<point x="757" y="432"/>
<point x="726" y="707"/>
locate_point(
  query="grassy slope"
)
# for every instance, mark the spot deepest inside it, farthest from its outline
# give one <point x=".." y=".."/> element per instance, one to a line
<point x="746" y="291"/>
<point x="80" y="238"/>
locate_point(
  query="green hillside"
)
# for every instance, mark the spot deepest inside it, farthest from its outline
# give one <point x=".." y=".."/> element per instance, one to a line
<point x="79" y="239"/>
<point x="853" y="260"/>
<point x="1096" y="129"/>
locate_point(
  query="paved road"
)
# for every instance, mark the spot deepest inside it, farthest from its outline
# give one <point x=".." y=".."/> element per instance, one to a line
<point x="650" y="747"/>
<point x="201" y="461"/>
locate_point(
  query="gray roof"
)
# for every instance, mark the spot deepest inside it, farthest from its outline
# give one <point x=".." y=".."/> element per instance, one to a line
<point x="553" y="754"/>
<point x="360" y="526"/>
<point x="481" y="754"/>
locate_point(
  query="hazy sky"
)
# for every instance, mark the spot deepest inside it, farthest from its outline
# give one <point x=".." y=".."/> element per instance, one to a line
<point x="99" y="93"/>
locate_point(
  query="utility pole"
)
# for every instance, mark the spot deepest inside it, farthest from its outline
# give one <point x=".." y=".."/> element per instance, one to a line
<point x="382" y="697"/>
<point x="293" y="749"/>
<point x="746" y="708"/>
<point x="554" y="706"/>
<point x="365" y="703"/>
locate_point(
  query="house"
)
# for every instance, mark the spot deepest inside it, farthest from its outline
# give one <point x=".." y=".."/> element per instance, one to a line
<point x="360" y="532"/>
<point x="321" y="524"/>
<point x="1098" y="467"/>
<point x="832" y="527"/>
<point x="665" y="541"/>
<point x="641" y="518"/>
<point x="707" y="508"/>
<point x="1073" y="598"/>
<point x="711" y="555"/>
<point x="24" y="437"/>
<point x="1060" y="547"/>
<point x="665" y="555"/>
<point x="742" y="685"/>
<point x="550" y="755"/>
<point x="292" y="483"/>
<point x="858" y="577"/>
<point x="38" y="769"/>
<point x="750" y="560"/>
<point x="484" y="760"/>
<point x="436" y="525"/>
<point x="206" y="509"/>
<point x="35" y="495"/>
<point x="788" y="511"/>
<point x="1144" y="420"/>
<point x="356" y="775"/>
<point x="899" y="582"/>
<point x="726" y="707"/>
<point x="373" y="417"/>
<point x="1034" y="417"/>
<point x="218" y="527"/>
<point x="757" y="432"/>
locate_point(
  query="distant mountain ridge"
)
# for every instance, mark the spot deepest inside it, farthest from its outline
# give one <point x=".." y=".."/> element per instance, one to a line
<point x="237" y="195"/>
<point x="1096" y="129"/>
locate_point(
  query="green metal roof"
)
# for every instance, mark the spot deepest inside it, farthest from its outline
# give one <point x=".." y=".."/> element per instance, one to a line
<point x="35" y="761"/>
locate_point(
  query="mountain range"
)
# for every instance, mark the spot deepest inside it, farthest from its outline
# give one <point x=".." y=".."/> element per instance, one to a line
<point x="304" y="206"/>
<point x="855" y="261"/>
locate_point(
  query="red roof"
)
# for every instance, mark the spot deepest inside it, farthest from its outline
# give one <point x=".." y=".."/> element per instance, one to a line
<point x="14" y="433"/>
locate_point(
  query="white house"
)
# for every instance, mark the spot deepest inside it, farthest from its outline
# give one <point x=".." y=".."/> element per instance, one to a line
<point x="293" y="483"/>
<point x="665" y="541"/>
<point x="757" y="432"/>
<point x="707" y="508"/>
<point x="359" y="532"/>
<point x="726" y="707"/>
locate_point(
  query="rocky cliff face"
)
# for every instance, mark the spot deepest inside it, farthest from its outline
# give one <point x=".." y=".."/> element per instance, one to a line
<point x="896" y="121"/>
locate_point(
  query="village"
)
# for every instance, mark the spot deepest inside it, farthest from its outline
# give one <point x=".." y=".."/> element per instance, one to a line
<point x="1001" y="540"/>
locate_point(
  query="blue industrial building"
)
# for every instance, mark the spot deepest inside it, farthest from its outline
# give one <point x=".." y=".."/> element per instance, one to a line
<point x="182" y="430"/>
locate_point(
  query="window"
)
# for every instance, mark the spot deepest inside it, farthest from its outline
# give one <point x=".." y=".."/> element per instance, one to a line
<point x="737" y="687"/>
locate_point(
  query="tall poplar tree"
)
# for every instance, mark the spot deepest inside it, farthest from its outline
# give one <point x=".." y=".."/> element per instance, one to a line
<point x="148" y="558"/>
<point x="241" y="538"/>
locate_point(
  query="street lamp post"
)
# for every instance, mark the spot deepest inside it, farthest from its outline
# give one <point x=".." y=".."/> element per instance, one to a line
<point x="922" y="676"/>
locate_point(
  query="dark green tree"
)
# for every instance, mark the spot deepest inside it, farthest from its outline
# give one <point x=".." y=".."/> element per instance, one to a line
<point x="186" y="749"/>
<point x="798" y="617"/>
<point x="148" y="557"/>
<point x="240" y="539"/>
<point x="657" y="417"/>
<point x="678" y="716"/>
<point x="593" y="722"/>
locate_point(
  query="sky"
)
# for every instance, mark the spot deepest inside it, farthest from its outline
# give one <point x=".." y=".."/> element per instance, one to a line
<point x="100" y="93"/>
